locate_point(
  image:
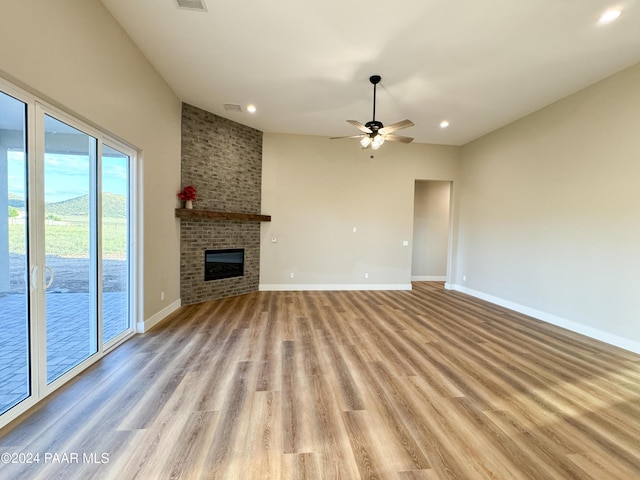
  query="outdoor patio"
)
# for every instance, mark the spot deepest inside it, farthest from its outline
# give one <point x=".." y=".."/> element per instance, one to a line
<point x="68" y="331"/>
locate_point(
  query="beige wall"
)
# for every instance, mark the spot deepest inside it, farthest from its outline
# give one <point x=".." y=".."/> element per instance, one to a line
<point x="549" y="210"/>
<point x="548" y="206"/>
<point x="431" y="230"/>
<point x="74" y="54"/>
<point x="317" y="190"/>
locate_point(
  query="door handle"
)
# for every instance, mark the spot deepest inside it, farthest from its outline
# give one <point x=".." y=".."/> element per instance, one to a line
<point x="33" y="277"/>
<point x="50" y="270"/>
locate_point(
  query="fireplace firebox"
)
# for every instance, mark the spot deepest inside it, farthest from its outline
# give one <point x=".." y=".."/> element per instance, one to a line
<point x="226" y="263"/>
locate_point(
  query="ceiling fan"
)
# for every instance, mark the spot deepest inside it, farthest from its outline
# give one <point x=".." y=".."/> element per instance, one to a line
<point x="375" y="133"/>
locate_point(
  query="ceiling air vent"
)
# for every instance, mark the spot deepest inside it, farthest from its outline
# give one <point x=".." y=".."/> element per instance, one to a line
<point x="232" y="107"/>
<point x="192" y="5"/>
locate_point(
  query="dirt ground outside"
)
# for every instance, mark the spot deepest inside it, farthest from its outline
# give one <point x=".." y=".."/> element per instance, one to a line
<point x="70" y="274"/>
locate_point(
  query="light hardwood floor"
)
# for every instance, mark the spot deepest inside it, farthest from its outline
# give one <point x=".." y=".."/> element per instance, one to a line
<point x="427" y="384"/>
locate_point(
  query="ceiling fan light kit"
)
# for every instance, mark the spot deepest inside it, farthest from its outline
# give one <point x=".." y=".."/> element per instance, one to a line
<point x="377" y="141"/>
<point x="375" y="133"/>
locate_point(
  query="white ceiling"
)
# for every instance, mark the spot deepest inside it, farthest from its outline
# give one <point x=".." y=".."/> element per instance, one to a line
<point x="306" y="64"/>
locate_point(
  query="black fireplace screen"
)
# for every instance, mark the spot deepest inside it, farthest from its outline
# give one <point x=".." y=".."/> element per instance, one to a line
<point x="223" y="263"/>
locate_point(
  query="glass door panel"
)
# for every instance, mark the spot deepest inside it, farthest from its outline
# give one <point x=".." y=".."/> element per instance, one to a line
<point x="14" y="279"/>
<point x="115" y="243"/>
<point x="69" y="240"/>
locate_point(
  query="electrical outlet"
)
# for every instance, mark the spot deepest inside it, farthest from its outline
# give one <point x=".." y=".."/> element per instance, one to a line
<point x="464" y="278"/>
<point x="292" y="275"/>
<point x="366" y="275"/>
<point x="161" y="295"/>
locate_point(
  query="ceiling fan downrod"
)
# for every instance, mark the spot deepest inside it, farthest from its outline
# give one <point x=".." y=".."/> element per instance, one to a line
<point x="374" y="79"/>
<point x="374" y="125"/>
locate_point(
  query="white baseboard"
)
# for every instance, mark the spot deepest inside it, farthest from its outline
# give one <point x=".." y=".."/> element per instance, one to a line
<point x="570" y="325"/>
<point x="429" y="278"/>
<point x="156" y="318"/>
<point x="289" y="287"/>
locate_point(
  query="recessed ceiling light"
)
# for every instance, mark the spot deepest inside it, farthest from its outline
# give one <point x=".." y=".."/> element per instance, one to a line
<point x="444" y="124"/>
<point x="610" y="15"/>
<point x="251" y="108"/>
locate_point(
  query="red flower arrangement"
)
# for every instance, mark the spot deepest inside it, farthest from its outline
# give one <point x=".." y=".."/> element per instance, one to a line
<point x="187" y="193"/>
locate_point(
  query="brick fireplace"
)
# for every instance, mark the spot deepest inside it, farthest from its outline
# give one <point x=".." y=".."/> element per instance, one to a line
<point x="223" y="160"/>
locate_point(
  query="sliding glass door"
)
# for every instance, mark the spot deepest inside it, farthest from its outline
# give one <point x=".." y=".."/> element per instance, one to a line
<point x="70" y="265"/>
<point x="15" y="374"/>
<point x="114" y="221"/>
<point x="65" y="255"/>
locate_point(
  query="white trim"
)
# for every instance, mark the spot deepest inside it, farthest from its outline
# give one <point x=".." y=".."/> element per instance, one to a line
<point x="571" y="325"/>
<point x="156" y="318"/>
<point x="137" y="246"/>
<point x="286" y="287"/>
<point x="429" y="278"/>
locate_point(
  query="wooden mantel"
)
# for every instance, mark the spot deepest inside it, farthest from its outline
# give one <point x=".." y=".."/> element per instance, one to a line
<point x="211" y="215"/>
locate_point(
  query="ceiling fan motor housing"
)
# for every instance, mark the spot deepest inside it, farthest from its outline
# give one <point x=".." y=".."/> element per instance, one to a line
<point x="374" y="126"/>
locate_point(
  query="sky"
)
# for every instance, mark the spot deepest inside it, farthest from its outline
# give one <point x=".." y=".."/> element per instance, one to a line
<point x="67" y="176"/>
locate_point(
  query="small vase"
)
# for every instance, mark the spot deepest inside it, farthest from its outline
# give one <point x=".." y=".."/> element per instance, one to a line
<point x="188" y="204"/>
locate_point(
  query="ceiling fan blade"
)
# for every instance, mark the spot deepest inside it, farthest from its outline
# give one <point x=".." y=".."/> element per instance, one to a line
<point x="398" y="138"/>
<point x="359" y="126"/>
<point x="396" y="126"/>
<point x="349" y="136"/>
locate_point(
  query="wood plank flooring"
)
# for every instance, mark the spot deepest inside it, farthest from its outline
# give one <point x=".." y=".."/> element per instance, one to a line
<point x="427" y="384"/>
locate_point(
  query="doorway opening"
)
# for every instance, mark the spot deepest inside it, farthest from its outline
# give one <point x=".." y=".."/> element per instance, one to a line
<point x="431" y="230"/>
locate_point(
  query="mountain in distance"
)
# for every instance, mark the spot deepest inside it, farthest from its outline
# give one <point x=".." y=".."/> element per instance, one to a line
<point x="113" y="206"/>
<point x="15" y="201"/>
